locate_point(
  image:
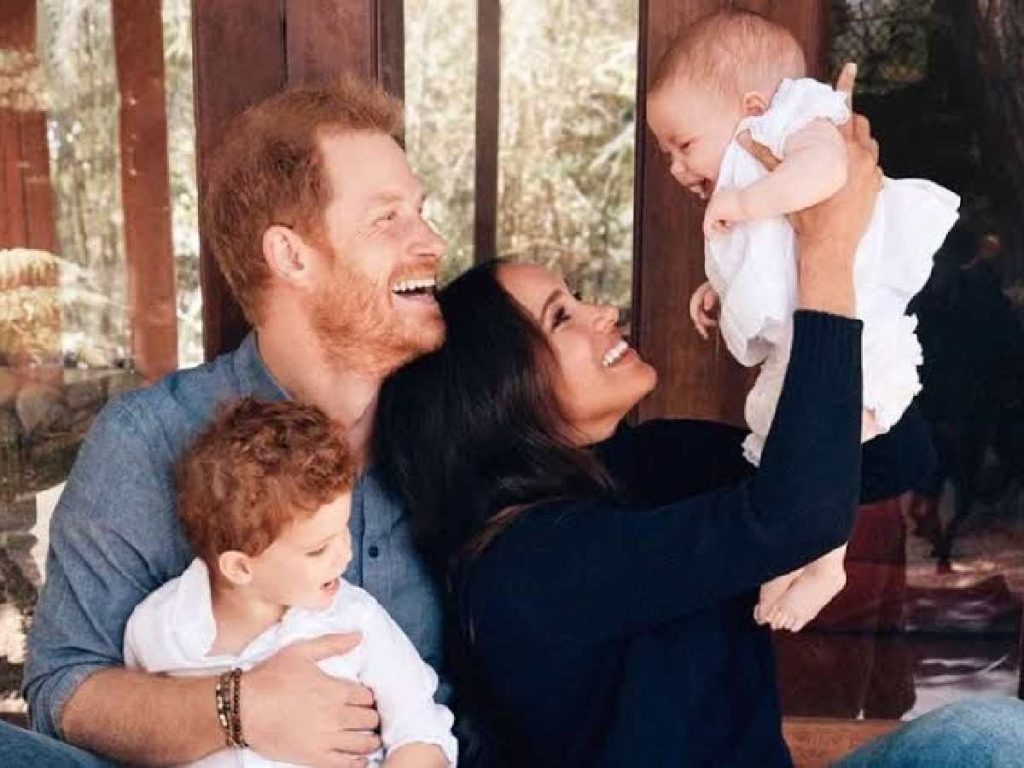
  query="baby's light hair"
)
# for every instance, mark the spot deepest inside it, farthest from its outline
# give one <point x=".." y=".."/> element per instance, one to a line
<point x="732" y="52"/>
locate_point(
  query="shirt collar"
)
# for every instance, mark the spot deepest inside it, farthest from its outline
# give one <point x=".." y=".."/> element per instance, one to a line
<point x="253" y="376"/>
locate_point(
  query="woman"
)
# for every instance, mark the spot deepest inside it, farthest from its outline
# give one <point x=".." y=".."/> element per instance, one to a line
<point x="604" y="578"/>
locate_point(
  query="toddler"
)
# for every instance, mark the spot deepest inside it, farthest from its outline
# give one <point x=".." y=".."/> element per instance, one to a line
<point x="732" y="72"/>
<point x="264" y="497"/>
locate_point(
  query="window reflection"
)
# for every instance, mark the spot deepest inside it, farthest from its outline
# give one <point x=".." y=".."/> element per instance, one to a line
<point x="932" y="612"/>
<point x="66" y="332"/>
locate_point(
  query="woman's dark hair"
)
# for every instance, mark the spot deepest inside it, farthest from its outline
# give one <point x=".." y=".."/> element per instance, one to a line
<point x="470" y="436"/>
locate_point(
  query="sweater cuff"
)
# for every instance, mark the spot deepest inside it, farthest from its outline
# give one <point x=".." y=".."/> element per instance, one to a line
<point x="821" y="338"/>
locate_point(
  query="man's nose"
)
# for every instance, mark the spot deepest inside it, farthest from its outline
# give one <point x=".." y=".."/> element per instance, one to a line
<point x="428" y="242"/>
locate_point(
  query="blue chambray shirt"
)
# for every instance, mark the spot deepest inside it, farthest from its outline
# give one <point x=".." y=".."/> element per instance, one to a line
<point x="115" y="535"/>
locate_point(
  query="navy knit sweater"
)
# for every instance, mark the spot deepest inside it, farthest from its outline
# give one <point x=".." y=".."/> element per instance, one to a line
<point x="619" y="632"/>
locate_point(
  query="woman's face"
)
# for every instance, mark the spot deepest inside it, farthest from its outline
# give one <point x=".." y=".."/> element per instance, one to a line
<point x="600" y="378"/>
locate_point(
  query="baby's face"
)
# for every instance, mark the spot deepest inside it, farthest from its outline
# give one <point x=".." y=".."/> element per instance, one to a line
<point x="302" y="566"/>
<point x="693" y="126"/>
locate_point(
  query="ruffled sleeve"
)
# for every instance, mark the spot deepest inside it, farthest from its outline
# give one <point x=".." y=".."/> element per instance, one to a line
<point x="796" y="104"/>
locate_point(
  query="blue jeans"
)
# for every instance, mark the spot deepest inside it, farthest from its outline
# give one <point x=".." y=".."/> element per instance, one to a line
<point x="27" y="749"/>
<point x="981" y="733"/>
<point x="977" y="733"/>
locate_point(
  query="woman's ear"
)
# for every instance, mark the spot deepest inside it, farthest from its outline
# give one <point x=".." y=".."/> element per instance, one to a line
<point x="286" y="253"/>
<point x="236" y="567"/>
<point x="754" y="104"/>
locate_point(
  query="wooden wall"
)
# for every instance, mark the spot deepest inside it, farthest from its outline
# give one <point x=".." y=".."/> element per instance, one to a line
<point x="246" y="50"/>
<point x="697" y="379"/>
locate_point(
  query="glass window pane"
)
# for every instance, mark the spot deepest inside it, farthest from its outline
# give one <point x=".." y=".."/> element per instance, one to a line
<point x="440" y="117"/>
<point x="66" y="330"/>
<point x="567" y="136"/>
<point x="181" y="150"/>
<point x="932" y="609"/>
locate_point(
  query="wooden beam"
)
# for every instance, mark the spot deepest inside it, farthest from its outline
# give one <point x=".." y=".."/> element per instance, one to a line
<point x="26" y="195"/>
<point x="822" y="741"/>
<point x="488" y="92"/>
<point x="391" y="46"/>
<point x="238" y="59"/>
<point x="697" y="379"/>
<point x="145" y="186"/>
<point x="328" y="37"/>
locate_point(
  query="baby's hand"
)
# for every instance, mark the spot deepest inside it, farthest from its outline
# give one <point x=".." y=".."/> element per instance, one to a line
<point x="724" y="209"/>
<point x="702" y="303"/>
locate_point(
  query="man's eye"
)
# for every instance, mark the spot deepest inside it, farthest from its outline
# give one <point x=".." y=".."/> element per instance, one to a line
<point x="387" y="216"/>
<point x="317" y="552"/>
<point x="560" y="317"/>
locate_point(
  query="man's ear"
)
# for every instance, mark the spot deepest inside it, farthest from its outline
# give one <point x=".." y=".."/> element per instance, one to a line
<point x="286" y="253"/>
<point x="754" y="104"/>
<point x="236" y="567"/>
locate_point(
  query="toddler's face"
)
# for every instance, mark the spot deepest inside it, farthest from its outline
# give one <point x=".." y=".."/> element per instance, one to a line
<point x="693" y="126"/>
<point x="302" y="566"/>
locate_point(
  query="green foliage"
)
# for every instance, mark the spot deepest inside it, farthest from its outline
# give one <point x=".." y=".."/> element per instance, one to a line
<point x="567" y="133"/>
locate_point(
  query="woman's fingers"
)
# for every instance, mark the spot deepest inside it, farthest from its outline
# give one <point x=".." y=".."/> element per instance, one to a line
<point x="761" y="153"/>
<point x="846" y="80"/>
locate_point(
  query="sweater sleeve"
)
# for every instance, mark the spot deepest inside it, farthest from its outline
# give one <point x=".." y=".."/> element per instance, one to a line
<point x="597" y="568"/>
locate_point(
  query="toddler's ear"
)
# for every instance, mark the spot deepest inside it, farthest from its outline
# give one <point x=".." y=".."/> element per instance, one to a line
<point x="754" y="104"/>
<point x="236" y="567"/>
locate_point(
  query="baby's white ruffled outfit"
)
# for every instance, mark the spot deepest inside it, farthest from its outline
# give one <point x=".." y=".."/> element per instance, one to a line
<point x="173" y="629"/>
<point x="753" y="269"/>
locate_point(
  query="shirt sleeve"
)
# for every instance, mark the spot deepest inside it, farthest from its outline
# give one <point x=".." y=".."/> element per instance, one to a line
<point x="105" y="547"/>
<point x="598" y="569"/>
<point x="404" y="687"/>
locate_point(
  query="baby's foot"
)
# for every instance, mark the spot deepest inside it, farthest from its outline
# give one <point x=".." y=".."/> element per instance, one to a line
<point x="805" y="598"/>
<point x="771" y="592"/>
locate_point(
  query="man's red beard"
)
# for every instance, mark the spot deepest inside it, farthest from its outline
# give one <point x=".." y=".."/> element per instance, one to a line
<point x="358" y="327"/>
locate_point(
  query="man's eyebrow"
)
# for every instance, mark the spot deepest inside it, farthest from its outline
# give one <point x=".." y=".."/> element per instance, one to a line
<point x="395" y="196"/>
<point x="548" y="301"/>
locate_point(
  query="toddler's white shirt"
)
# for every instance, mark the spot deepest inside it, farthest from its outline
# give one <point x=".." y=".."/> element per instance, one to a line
<point x="753" y="268"/>
<point x="173" y="629"/>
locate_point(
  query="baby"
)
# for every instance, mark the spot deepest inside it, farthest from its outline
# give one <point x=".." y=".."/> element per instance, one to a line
<point x="264" y="498"/>
<point x="734" y="72"/>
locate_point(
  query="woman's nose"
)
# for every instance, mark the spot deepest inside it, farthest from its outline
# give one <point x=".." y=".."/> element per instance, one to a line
<point x="607" y="316"/>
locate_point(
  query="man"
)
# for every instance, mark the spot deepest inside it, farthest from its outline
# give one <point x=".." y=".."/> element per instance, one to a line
<point x="315" y="219"/>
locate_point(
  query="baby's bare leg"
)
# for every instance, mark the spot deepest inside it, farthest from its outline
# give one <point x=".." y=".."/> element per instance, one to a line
<point x="868" y="426"/>
<point x="817" y="584"/>
<point x="771" y="591"/>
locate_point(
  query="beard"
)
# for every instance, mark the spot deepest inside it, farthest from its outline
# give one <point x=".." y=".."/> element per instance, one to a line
<point x="358" y="328"/>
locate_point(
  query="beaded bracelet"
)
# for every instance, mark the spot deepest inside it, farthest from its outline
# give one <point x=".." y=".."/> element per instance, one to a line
<point x="228" y="698"/>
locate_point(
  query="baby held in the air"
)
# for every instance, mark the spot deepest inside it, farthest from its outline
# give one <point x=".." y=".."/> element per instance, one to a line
<point x="736" y="72"/>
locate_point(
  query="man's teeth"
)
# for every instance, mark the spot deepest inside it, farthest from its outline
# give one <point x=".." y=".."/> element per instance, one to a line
<point x="415" y="286"/>
<point x="613" y="354"/>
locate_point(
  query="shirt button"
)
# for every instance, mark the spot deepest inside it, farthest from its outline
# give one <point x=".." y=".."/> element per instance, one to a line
<point x="373" y="551"/>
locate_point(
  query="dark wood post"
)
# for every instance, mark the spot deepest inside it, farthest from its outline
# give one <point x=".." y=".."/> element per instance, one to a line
<point x="145" y="186"/>
<point x="488" y="93"/>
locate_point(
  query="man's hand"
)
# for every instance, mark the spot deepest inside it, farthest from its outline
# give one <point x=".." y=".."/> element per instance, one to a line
<point x="292" y="711"/>
<point x="702" y="304"/>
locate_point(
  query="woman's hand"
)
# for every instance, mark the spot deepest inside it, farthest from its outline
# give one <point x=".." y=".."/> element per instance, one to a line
<point x="828" y="233"/>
